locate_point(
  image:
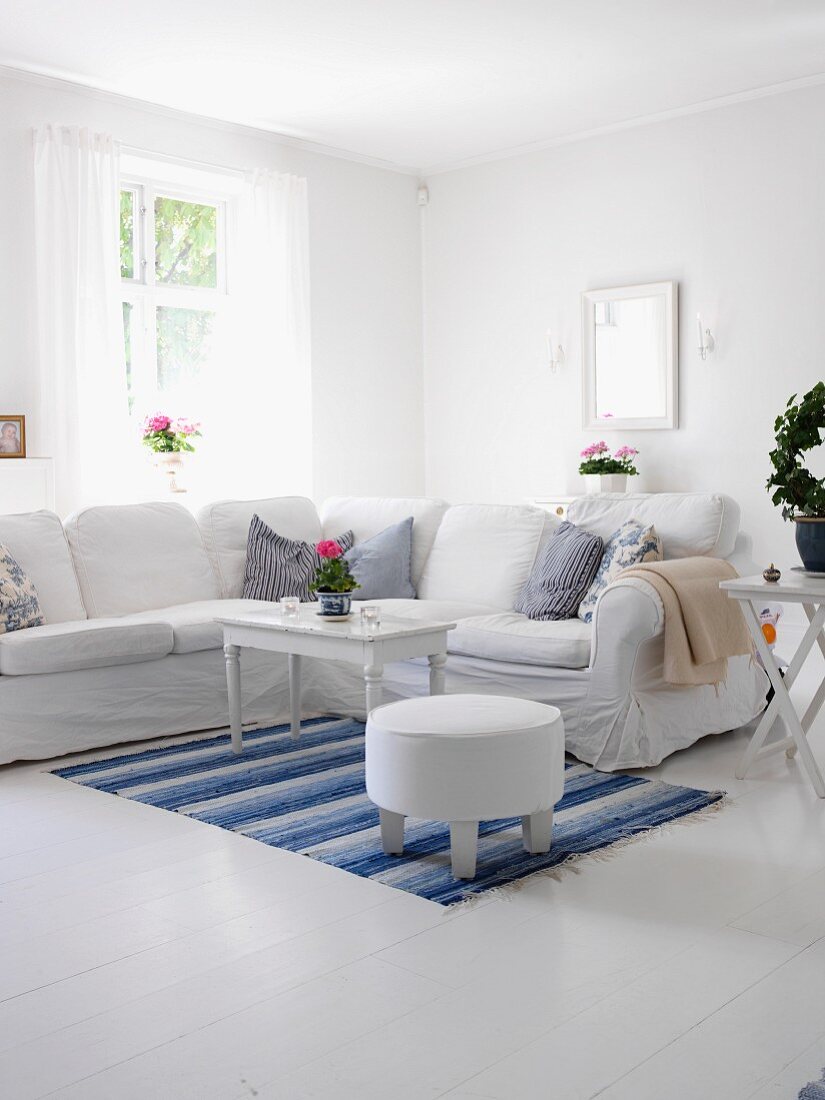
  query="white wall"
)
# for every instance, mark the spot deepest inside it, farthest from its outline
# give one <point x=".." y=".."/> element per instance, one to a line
<point x="365" y="273"/>
<point x="728" y="202"/>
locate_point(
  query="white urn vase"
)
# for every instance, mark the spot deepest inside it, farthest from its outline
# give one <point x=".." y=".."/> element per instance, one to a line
<point x="605" y="483"/>
<point x="170" y="464"/>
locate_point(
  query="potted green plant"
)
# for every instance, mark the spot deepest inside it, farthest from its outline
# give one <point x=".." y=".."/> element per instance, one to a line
<point x="802" y="496"/>
<point x="333" y="584"/>
<point x="606" y="473"/>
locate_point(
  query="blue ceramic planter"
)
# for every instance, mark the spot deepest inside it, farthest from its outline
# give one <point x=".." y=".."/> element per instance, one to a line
<point x="810" y="542"/>
<point x="335" y="603"/>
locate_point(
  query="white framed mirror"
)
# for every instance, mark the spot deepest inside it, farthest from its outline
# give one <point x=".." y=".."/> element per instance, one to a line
<point x="630" y="353"/>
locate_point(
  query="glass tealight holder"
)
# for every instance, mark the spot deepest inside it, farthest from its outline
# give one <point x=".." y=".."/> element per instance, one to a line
<point x="370" y="618"/>
<point x="290" y="606"/>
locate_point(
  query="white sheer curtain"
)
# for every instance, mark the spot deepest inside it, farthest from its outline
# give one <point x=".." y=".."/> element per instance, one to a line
<point x="84" y="410"/>
<point x="260" y="420"/>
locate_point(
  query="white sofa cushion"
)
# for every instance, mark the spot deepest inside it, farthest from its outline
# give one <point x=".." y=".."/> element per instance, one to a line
<point x="38" y="544"/>
<point x="69" y="647"/>
<point x="508" y="636"/>
<point x="367" y="516"/>
<point x="194" y="625"/>
<point x="688" y="524"/>
<point x="225" y="528"/>
<point x="137" y="557"/>
<point x="431" y="611"/>
<point x="483" y="553"/>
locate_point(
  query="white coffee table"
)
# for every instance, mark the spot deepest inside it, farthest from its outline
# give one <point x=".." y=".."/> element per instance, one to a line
<point x="753" y="593"/>
<point x="308" y="635"/>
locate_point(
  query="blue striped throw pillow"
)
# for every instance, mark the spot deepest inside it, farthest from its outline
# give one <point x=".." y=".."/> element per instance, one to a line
<point x="562" y="574"/>
<point x="277" y="566"/>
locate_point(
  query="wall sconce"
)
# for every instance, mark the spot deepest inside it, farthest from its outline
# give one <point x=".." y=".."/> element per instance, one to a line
<point x="706" y="342"/>
<point x="555" y="355"/>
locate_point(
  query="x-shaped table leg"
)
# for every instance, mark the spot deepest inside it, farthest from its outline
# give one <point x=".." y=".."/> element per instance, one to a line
<point x="781" y="703"/>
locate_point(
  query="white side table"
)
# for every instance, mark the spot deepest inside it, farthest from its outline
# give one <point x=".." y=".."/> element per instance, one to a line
<point x="309" y="635"/>
<point x="753" y="593"/>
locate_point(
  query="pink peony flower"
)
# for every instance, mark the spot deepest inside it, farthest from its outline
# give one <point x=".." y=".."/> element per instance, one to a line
<point x="595" y="449"/>
<point x="156" y="423"/>
<point x="186" y="426"/>
<point x="329" y="548"/>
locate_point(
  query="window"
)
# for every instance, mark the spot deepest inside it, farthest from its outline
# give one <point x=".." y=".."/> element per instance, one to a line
<point x="173" y="245"/>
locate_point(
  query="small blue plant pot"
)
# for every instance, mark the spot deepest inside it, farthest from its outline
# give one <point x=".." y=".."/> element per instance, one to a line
<point x="810" y="542"/>
<point x="335" y="604"/>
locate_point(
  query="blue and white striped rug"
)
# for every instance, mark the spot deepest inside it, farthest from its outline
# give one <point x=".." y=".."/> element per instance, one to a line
<point x="309" y="797"/>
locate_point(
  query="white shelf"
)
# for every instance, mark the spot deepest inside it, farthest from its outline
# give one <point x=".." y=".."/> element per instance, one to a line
<point x="26" y="484"/>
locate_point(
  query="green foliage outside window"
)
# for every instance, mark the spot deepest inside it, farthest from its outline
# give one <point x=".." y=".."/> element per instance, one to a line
<point x="186" y="243"/>
<point x="127" y="234"/>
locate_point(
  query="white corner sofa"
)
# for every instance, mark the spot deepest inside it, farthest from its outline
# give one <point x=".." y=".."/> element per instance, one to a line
<point x="130" y="648"/>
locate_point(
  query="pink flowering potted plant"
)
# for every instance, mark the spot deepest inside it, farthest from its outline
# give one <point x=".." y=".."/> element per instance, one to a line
<point x="333" y="584"/>
<point x="169" y="439"/>
<point x="605" y="472"/>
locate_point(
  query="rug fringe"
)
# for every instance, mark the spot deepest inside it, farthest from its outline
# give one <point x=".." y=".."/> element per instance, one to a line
<point x="570" y="865"/>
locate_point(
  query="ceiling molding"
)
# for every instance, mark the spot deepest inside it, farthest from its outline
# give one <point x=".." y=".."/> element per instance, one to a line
<point x="32" y="76"/>
<point x="69" y="84"/>
<point x="630" y="124"/>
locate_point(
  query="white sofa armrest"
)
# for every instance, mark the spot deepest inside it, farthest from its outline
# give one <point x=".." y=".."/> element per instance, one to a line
<point x="628" y="613"/>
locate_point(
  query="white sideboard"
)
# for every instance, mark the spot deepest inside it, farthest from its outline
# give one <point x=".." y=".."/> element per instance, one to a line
<point x="557" y="505"/>
<point x="26" y="484"/>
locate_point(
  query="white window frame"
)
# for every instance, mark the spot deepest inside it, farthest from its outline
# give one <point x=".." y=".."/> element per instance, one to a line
<point x="145" y="294"/>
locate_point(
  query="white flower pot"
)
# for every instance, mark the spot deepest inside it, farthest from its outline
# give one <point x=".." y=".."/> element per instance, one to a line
<point x="170" y="463"/>
<point x="605" y="483"/>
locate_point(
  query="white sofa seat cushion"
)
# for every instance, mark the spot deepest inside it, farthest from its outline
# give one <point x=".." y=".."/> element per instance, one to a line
<point x="225" y="528"/>
<point x="137" y="557"/>
<point x="482" y="553"/>
<point x="507" y="636"/>
<point x="38" y="544"/>
<point x="430" y="611"/>
<point x="368" y="516"/>
<point x="689" y="524"/>
<point x="90" y="643"/>
<point x="194" y="625"/>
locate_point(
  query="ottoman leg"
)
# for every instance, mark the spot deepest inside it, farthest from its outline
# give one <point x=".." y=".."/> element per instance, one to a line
<point x="392" y="832"/>
<point x="463" y="848"/>
<point x="537" y="832"/>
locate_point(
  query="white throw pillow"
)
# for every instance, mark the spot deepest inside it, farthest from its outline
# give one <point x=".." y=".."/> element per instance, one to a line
<point x="19" y="605"/>
<point x="633" y="543"/>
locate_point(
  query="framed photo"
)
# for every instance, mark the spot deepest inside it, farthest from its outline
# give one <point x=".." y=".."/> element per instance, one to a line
<point x="12" y="436"/>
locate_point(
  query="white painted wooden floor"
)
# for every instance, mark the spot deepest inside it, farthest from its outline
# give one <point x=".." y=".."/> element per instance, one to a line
<point x="146" y="955"/>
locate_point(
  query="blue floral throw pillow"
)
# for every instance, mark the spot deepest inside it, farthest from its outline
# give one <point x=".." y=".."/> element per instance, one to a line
<point x="19" y="605"/>
<point x="633" y="543"/>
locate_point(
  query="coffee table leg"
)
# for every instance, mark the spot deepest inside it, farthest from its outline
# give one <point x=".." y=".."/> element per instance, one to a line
<point x="438" y="662"/>
<point x="232" y="654"/>
<point x="295" y="696"/>
<point x="373" y="675"/>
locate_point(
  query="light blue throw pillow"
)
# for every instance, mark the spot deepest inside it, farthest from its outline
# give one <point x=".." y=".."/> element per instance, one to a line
<point x="382" y="564"/>
<point x="632" y="544"/>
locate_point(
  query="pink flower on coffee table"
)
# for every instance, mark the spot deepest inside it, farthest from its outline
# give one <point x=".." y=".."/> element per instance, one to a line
<point x="329" y="548"/>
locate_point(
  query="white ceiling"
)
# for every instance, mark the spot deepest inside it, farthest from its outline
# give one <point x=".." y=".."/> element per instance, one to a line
<point x="420" y="84"/>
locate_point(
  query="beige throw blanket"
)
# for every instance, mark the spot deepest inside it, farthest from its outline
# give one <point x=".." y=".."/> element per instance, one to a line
<point x="703" y="626"/>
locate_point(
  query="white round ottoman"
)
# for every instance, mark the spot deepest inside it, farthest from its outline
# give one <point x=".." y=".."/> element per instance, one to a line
<point x="465" y="759"/>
